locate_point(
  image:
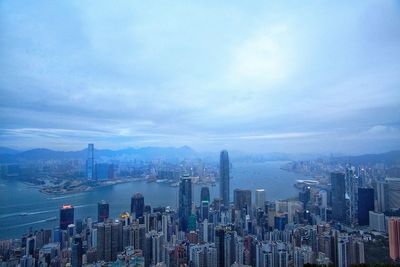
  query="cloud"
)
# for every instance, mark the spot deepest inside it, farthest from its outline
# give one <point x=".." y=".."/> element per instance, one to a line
<point x="261" y="76"/>
<point x="263" y="60"/>
<point x="383" y="131"/>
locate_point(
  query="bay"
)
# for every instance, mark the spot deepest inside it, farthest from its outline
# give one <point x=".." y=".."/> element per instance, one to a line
<point x="40" y="209"/>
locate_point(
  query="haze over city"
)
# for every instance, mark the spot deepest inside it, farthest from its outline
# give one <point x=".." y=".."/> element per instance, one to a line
<point x="255" y="77"/>
<point x="199" y="133"/>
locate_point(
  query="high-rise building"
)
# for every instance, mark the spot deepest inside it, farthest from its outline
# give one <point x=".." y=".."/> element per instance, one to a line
<point x="116" y="239"/>
<point x="185" y="202"/>
<point x="138" y="236"/>
<point x="394" y="238"/>
<point x="260" y="198"/>
<point x="203" y="255"/>
<point x="204" y="210"/>
<point x="103" y="211"/>
<point x="394" y="192"/>
<point x="30" y="245"/>
<point x="305" y="195"/>
<point x="204" y="202"/>
<point x="76" y="252"/>
<point x="382" y="196"/>
<point x="154" y="252"/>
<point x="205" y="194"/>
<point x="137" y="205"/>
<point x="100" y="241"/>
<point x="104" y="171"/>
<point x="224" y="177"/>
<point x="342" y="251"/>
<point x="322" y="201"/>
<point x="220" y="245"/>
<point x="338" y="196"/>
<point x="365" y="204"/>
<point x="242" y="199"/>
<point x="109" y="240"/>
<point x="377" y="221"/>
<point x="66" y="216"/>
<point x="90" y="162"/>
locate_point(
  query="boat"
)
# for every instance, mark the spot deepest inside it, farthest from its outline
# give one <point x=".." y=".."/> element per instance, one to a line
<point x="23" y="214"/>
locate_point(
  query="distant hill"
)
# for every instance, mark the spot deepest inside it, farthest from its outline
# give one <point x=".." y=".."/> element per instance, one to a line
<point x="391" y="157"/>
<point x="8" y="151"/>
<point x="8" y="155"/>
<point x="145" y="153"/>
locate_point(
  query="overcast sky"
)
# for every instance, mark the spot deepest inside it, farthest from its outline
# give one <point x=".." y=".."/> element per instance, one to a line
<point x="260" y="76"/>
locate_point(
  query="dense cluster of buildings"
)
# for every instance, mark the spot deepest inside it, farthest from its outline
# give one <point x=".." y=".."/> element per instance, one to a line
<point x="328" y="224"/>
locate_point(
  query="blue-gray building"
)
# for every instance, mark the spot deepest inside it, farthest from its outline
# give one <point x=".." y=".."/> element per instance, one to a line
<point x="338" y="184"/>
<point x="137" y="205"/>
<point x="224" y="177"/>
<point x="104" y="171"/>
<point x="90" y="162"/>
<point x="76" y="252"/>
<point x="365" y="204"/>
<point x="185" y="202"/>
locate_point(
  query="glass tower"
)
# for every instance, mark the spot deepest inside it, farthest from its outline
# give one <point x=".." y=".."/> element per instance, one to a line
<point x="224" y="177"/>
<point x="66" y="216"/>
<point x="103" y="211"/>
<point x="137" y="205"/>
<point x="365" y="204"/>
<point x="185" y="202"/>
<point x="338" y="196"/>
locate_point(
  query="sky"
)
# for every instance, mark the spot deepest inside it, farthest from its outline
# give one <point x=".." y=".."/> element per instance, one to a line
<point x="252" y="76"/>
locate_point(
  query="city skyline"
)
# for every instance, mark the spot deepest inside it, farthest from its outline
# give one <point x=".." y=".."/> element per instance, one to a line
<point x="273" y="76"/>
<point x="199" y="134"/>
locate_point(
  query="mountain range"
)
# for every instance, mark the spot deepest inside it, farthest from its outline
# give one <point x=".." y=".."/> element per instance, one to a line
<point x="8" y="155"/>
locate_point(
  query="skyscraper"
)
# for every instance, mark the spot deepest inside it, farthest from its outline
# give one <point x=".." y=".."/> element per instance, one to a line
<point x="204" y="202"/>
<point x="220" y="245"/>
<point x="66" y="216"/>
<point x="90" y="162"/>
<point x="103" y="211"/>
<point x="205" y="194"/>
<point x="342" y="248"/>
<point x="377" y="221"/>
<point x="104" y="171"/>
<point x="204" y="210"/>
<point x="76" y="252"/>
<point x="338" y="196"/>
<point x="185" y="202"/>
<point x="365" y="204"/>
<point x="394" y="238"/>
<point x="137" y="205"/>
<point x="224" y="243"/>
<point x="224" y="177"/>
<point x="394" y="192"/>
<point x="242" y="199"/>
<point x="260" y="198"/>
<point x="382" y="195"/>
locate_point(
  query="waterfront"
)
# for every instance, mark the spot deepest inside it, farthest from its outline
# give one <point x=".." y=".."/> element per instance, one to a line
<point x="27" y="207"/>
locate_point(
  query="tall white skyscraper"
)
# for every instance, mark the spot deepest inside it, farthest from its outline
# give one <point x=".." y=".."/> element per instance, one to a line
<point x="260" y="198"/>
